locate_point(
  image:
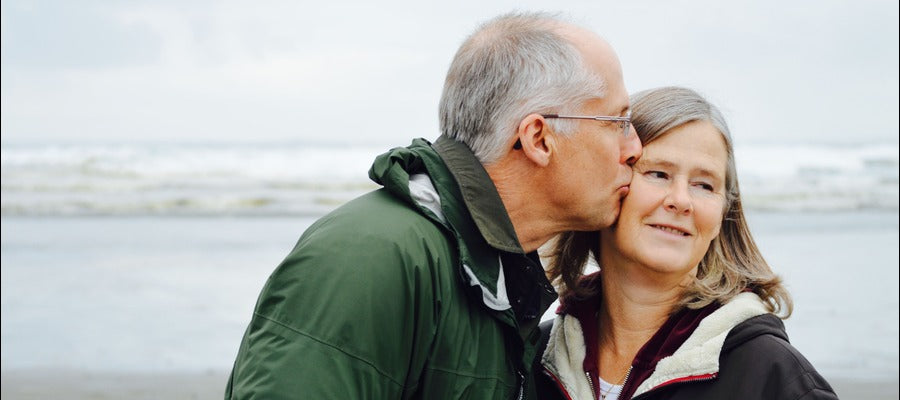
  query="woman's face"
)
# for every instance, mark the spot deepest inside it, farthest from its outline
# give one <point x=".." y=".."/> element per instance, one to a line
<point x="676" y="203"/>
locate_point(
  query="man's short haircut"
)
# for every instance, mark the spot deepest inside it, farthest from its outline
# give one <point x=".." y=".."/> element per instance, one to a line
<point x="512" y="66"/>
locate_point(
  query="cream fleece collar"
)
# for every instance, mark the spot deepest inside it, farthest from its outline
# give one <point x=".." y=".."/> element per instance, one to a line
<point x="698" y="355"/>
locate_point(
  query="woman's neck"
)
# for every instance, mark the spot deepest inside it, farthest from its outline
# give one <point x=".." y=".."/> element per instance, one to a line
<point x="632" y="310"/>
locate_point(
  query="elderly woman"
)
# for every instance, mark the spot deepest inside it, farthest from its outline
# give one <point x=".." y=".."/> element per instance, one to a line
<point x="683" y="306"/>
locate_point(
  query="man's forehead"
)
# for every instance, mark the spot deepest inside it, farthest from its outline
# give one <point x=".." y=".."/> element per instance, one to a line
<point x="613" y="104"/>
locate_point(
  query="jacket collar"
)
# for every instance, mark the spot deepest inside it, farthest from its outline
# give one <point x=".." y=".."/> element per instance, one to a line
<point x="698" y="355"/>
<point x="460" y="196"/>
<point x="686" y="346"/>
<point x="481" y="221"/>
<point x="479" y="194"/>
<point x="448" y="185"/>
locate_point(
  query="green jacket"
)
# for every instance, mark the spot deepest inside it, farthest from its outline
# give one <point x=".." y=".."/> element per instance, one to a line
<point x="419" y="289"/>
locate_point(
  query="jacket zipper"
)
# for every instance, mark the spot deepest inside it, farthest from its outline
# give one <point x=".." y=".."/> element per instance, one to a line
<point x="562" y="389"/>
<point x="677" y="381"/>
<point x="591" y="384"/>
<point x="702" y="378"/>
<point x="627" y="374"/>
<point x="521" y="384"/>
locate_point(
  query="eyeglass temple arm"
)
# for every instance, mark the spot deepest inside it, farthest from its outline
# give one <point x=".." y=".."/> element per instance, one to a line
<point x="598" y="118"/>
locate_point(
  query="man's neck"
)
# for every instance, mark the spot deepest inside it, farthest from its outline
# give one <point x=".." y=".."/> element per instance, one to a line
<point x="526" y="207"/>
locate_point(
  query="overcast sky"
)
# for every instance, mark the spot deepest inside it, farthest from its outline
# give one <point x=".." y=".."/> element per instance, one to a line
<point x="371" y="72"/>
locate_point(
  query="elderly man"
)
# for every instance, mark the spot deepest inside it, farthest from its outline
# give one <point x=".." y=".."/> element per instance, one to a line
<point x="431" y="287"/>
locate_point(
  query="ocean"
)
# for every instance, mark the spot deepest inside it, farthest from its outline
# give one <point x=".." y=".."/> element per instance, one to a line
<point x="296" y="179"/>
<point x="150" y="258"/>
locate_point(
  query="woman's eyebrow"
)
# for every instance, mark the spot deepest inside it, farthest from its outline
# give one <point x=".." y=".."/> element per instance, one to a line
<point x="660" y="163"/>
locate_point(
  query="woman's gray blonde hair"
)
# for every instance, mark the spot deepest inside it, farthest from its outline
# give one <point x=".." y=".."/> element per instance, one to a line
<point x="732" y="264"/>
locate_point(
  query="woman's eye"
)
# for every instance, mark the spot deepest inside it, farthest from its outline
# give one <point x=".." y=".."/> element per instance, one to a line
<point x="705" y="186"/>
<point x="657" y="174"/>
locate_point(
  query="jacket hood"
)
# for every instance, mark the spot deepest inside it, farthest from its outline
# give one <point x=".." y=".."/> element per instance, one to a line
<point x="699" y="355"/>
<point x="393" y="169"/>
<point x="766" y="324"/>
<point x="450" y="164"/>
<point x="449" y="185"/>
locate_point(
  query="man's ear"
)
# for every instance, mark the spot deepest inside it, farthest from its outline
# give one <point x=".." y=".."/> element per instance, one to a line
<point x="535" y="140"/>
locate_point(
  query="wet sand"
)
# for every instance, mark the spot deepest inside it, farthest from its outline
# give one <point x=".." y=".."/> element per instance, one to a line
<point x="79" y="385"/>
<point x="64" y="384"/>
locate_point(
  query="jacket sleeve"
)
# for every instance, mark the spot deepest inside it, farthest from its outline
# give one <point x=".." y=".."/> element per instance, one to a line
<point x="341" y="318"/>
<point x="792" y="373"/>
<point x="769" y="367"/>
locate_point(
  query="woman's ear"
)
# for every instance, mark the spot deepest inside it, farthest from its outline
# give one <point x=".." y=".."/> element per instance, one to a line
<point x="535" y="140"/>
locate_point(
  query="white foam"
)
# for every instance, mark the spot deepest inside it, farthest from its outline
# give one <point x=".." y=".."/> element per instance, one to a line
<point x="306" y="179"/>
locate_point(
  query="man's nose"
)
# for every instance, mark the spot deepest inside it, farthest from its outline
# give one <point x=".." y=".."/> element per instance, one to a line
<point x="631" y="148"/>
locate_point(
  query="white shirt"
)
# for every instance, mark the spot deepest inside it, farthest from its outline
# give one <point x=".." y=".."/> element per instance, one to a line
<point x="608" y="391"/>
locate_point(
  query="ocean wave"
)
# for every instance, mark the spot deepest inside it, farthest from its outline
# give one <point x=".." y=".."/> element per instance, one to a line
<point x="312" y="180"/>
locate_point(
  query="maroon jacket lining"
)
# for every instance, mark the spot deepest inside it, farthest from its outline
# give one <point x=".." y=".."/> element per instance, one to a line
<point x="670" y="336"/>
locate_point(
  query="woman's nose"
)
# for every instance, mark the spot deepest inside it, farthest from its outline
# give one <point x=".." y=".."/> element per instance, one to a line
<point x="678" y="200"/>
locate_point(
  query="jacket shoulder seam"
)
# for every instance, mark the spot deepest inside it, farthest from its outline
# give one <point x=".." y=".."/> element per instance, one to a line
<point x="354" y="356"/>
<point x="475" y="376"/>
<point x="813" y="388"/>
<point x="804" y="371"/>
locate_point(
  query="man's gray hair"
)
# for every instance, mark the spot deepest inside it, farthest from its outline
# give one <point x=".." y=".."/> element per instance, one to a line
<point x="512" y="66"/>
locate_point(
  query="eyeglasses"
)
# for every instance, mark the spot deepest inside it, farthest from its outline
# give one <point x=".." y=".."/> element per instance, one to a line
<point x="624" y="122"/>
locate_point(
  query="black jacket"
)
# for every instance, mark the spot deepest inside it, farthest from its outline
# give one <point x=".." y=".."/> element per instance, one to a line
<point x="755" y="361"/>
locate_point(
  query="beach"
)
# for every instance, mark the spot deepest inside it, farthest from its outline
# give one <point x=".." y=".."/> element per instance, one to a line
<point x="159" y="160"/>
<point x="33" y="385"/>
<point x="154" y="307"/>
